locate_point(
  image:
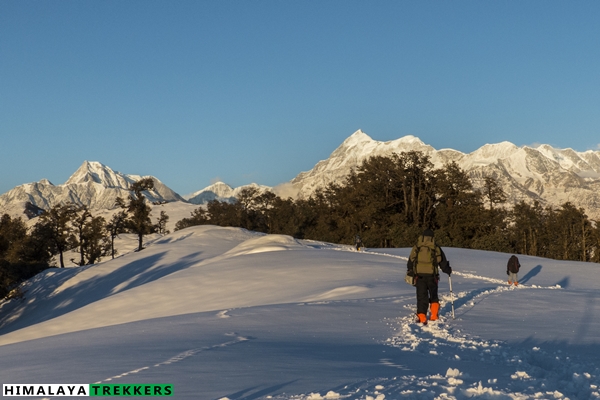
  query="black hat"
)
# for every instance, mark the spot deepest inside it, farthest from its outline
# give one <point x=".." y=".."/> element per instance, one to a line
<point x="428" y="232"/>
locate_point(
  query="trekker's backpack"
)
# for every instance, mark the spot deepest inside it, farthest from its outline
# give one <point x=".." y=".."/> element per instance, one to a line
<point x="427" y="256"/>
<point x="513" y="264"/>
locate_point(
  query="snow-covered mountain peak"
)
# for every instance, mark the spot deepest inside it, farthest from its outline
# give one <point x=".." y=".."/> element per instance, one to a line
<point x="502" y="146"/>
<point x="358" y="140"/>
<point x="549" y="151"/>
<point x="495" y="151"/>
<point x="45" y="182"/>
<point x="570" y="159"/>
<point x="93" y="184"/>
<point x="410" y="139"/>
<point x="405" y="143"/>
<point x="542" y="173"/>
<point x="219" y="186"/>
<point x="357" y="137"/>
<point x="557" y="154"/>
<point x="93" y="171"/>
<point x="221" y="189"/>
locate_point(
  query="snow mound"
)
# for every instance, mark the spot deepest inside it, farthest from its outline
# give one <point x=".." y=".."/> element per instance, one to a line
<point x="205" y="266"/>
<point x="265" y="244"/>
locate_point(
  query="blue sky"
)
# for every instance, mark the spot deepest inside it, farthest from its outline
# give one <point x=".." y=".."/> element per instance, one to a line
<point x="258" y="91"/>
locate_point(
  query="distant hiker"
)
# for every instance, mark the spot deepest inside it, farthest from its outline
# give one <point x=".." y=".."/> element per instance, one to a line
<point x="426" y="258"/>
<point x="358" y="243"/>
<point x="512" y="269"/>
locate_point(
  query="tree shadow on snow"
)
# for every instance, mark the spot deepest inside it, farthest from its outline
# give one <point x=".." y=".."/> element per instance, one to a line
<point x="126" y="277"/>
<point x="41" y="286"/>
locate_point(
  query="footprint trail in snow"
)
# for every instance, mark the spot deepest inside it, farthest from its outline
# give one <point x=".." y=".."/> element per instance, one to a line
<point x="515" y="372"/>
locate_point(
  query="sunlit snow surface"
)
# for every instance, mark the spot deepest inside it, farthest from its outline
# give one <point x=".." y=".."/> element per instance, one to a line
<point x="223" y="313"/>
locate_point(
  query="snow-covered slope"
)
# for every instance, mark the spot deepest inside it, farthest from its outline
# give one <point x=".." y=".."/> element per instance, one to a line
<point x="552" y="176"/>
<point x="93" y="184"/>
<point x="223" y="313"/>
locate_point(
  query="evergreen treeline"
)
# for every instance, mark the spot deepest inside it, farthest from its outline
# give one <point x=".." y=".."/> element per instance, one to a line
<point x="22" y="254"/>
<point x="67" y="227"/>
<point x="389" y="201"/>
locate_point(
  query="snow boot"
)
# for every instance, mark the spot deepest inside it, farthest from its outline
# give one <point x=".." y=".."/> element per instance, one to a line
<point x="516" y="283"/>
<point x="509" y="283"/>
<point x="422" y="318"/>
<point x="435" y="308"/>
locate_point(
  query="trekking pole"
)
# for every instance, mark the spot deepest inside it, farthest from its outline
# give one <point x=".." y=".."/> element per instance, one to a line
<point x="451" y="295"/>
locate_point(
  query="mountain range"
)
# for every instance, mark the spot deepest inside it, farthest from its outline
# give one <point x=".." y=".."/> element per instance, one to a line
<point x="93" y="184"/>
<point x="551" y="176"/>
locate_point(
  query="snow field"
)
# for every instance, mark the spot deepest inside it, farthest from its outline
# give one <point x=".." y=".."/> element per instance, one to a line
<point x="223" y="313"/>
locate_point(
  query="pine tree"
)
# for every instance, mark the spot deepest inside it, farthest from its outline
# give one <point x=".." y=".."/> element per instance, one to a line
<point x="22" y="255"/>
<point x="493" y="192"/>
<point x="569" y="233"/>
<point x="198" y="217"/>
<point x="116" y="226"/>
<point x="161" y="223"/>
<point x="459" y="208"/>
<point x="13" y="233"/>
<point x="138" y="220"/>
<point x="97" y="240"/>
<point x="79" y="222"/>
<point x="57" y="222"/>
<point x="527" y="227"/>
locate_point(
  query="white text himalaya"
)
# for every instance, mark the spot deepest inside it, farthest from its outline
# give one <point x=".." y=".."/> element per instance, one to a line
<point x="112" y="390"/>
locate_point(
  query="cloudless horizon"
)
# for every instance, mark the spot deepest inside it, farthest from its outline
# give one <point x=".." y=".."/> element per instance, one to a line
<point x="193" y="92"/>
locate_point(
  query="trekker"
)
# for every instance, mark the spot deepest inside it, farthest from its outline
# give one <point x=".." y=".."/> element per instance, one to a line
<point x="358" y="243"/>
<point x="426" y="258"/>
<point x="512" y="269"/>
